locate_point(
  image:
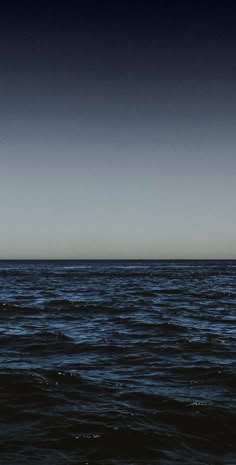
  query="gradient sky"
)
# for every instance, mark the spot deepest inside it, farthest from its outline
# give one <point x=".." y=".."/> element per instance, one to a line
<point x="118" y="131"/>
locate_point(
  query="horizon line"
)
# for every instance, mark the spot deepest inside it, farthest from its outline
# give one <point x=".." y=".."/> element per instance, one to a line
<point x="113" y="259"/>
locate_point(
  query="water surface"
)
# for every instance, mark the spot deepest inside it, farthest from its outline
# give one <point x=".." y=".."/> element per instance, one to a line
<point x="118" y="362"/>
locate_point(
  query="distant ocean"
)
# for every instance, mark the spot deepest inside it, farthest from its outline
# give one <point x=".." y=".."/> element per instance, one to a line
<point x="118" y="362"/>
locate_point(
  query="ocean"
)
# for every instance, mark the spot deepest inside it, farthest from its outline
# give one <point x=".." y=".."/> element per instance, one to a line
<point x="118" y="362"/>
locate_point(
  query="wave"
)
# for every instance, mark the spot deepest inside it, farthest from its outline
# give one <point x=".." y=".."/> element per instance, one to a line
<point x="117" y="364"/>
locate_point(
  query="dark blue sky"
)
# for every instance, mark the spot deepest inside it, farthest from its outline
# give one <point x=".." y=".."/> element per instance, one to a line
<point x="117" y="131"/>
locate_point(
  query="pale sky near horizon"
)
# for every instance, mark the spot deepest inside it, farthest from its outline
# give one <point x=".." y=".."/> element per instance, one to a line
<point x="117" y="151"/>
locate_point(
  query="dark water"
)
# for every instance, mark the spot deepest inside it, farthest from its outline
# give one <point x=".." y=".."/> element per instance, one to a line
<point x="118" y="363"/>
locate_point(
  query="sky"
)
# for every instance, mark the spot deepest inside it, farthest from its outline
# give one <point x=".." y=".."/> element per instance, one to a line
<point x="117" y="131"/>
